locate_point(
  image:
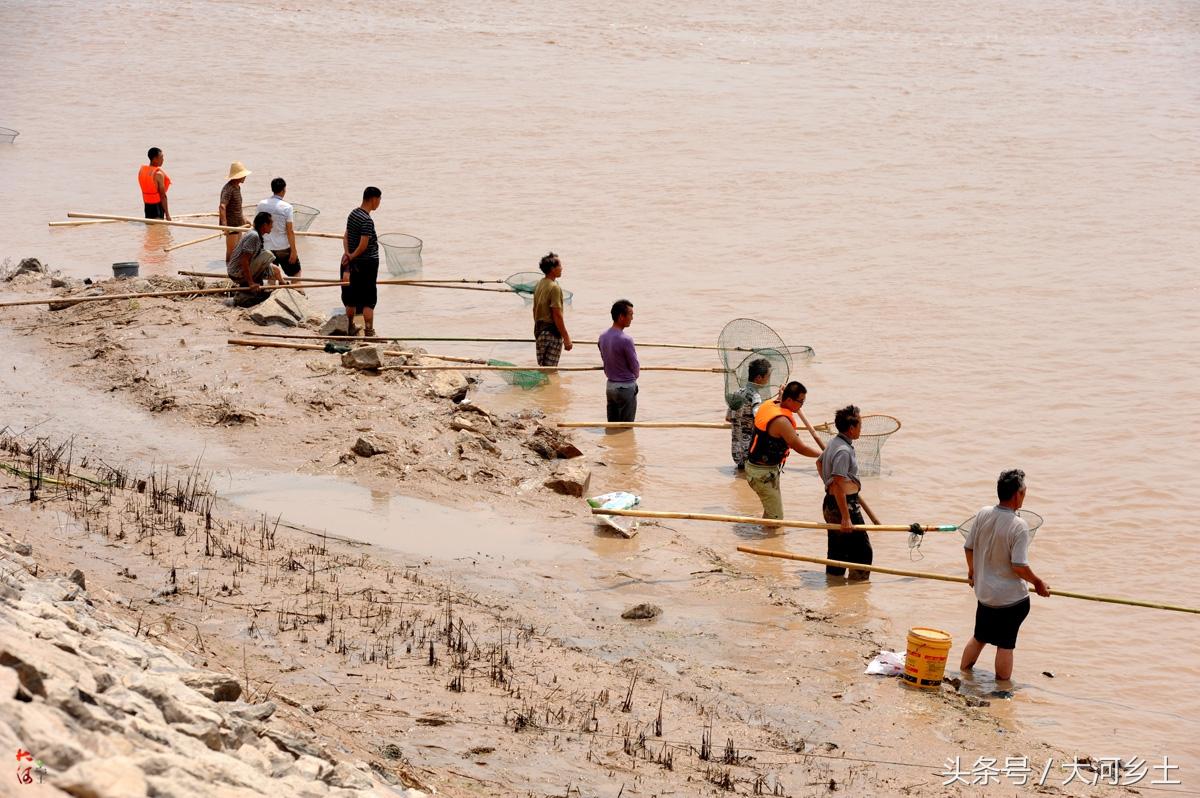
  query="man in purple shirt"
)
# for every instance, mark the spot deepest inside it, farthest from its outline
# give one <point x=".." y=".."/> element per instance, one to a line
<point x="620" y="364"/>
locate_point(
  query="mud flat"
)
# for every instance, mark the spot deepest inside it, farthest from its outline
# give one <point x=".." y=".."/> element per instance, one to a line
<point x="389" y="657"/>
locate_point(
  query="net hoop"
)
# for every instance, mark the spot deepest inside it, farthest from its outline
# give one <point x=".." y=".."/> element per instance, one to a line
<point x="890" y="425"/>
<point x="401" y="253"/>
<point x="8" y="135"/>
<point x="1034" y="520"/>
<point x="525" y="283"/>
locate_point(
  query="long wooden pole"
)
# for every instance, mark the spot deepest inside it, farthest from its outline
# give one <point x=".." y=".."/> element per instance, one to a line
<point x="861" y="501"/>
<point x="195" y="225"/>
<point x="748" y="519"/>
<point x="642" y="425"/>
<point x="75" y="300"/>
<point x="83" y="222"/>
<point x="961" y="580"/>
<point x="319" y="348"/>
<point x="195" y="241"/>
<point x="413" y="283"/>
<point x="382" y="339"/>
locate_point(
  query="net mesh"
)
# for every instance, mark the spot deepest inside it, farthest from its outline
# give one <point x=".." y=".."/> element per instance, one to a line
<point x="741" y="342"/>
<point x="526" y="379"/>
<point x="525" y="283"/>
<point x="869" y="447"/>
<point x="8" y="135"/>
<point x="401" y="253"/>
<point x="302" y="216"/>
<point x="1033" y="519"/>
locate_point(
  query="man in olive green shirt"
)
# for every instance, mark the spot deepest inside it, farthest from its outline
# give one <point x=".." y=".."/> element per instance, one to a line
<point x="549" y="329"/>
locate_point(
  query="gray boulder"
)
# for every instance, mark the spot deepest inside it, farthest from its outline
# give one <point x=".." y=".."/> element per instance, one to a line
<point x="27" y="266"/>
<point x="286" y="307"/>
<point x="448" y="385"/>
<point x="569" y="480"/>
<point x="336" y="325"/>
<point x="642" y="612"/>
<point x="363" y="357"/>
<point x="373" y="444"/>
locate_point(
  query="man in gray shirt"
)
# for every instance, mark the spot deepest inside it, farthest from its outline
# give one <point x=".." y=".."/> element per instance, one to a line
<point x="997" y="551"/>
<point x="838" y="468"/>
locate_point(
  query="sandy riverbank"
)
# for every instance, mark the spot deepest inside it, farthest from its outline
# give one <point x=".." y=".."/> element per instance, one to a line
<point x="537" y="685"/>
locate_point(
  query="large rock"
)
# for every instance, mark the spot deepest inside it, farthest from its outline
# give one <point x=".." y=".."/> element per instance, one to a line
<point x="336" y="325"/>
<point x="27" y="266"/>
<point x="363" y="357"/>
<point x="569" y="480"/>
<point x="117" y="777"/>
<point x="213" y="686"/>
<point x="448" y="385"/>
<point x="550" y="443"/>
<point x="373" y="444"/>
<point x="287" y="307"/>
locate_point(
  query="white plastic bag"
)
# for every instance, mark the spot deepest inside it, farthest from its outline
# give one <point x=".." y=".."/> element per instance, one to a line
<point x="887" y="663"/>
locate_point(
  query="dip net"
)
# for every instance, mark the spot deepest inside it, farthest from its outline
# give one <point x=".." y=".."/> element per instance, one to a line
<point x="876" y="429"/>
<point x="1033" y="519"/>
<point x="525" y="379"/>
<point x="8" y="135"/>
<point x="401" y="253"/>
<point x="743" y="341"/>
<point x="525" y="283"/>
<point x="302" y="216"/>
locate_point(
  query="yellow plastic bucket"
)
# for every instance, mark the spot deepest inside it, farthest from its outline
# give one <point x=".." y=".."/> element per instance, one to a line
<point x="925" y="661"/>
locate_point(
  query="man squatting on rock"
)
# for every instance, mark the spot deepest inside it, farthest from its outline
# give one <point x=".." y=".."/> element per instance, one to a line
<point x="997" y="551"/>
<point x="621" y="366"/>
<point x="838" y="468"/>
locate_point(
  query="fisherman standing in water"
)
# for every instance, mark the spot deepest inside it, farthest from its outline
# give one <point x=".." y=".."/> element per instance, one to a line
<point x="154" y="184"/>
<point x="838" y="468"/>
<point x="774" y="437"/>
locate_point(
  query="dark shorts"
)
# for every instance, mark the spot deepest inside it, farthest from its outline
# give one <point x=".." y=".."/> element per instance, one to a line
<point x="362" y="291"/>
<point x="154" y="211"/>
<point x="281" y="257"/>
<point x="846" y="546"/>
<point x="622" y="401"/>
<point x="999" y="625"/>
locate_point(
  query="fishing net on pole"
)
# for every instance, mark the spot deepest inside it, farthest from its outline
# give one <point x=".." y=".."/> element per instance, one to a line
<point x="401" y="252"/>
<point x="875" y="430"/>
<point x="8" y="135"/>
<point x="302" y="216"/>
<point x="525" y="283"/>
<point x="741" y="342"/>
<point x="526" y="379"/>
<point x="1033" y="519"/>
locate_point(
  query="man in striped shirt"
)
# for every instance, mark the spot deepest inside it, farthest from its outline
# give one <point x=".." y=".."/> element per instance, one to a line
<point x="360" y="263"/>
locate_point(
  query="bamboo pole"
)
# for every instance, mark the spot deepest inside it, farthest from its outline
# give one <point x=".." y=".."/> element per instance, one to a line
<point x="83" y="222"/>
<point x="383" y="339"/>
<point x="861" y="501"/>
<point x="643" y="424"/>
<point x="428" y="284"/>
<point x="319" y="348"/>
<point x="688" y="369"/>
<point x="193" y="241"/>
<point x="961" y="580"/>
<point x="194" y="225"/>
<point x="747" y="519"/>
<point x="75" y="300"/>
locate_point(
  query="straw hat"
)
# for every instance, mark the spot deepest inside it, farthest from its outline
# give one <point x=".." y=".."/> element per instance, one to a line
<point x="236" y="170"/>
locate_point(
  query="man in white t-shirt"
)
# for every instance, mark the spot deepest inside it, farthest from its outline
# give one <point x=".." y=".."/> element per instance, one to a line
<point x="282" y="238"/>
<point x="997" y="551"/>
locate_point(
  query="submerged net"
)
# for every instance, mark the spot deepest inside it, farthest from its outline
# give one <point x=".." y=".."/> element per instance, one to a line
<point x="401" y="252"/>
<point x="869" y="447"/>
<point x="8" y="135"/>
<point x="525" y="283"/>
<point x="525" y="378"/>
<point x="1033" y="519"/>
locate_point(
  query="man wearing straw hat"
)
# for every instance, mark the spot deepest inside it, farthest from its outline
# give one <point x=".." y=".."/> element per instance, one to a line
<point x="229" y="210"/>
<point x="549" y="329"/>
<point x="838" y="468"/>
<point x="997" y="551"/>
<point x="282" y="238"/>
<point x="773" y="438"/>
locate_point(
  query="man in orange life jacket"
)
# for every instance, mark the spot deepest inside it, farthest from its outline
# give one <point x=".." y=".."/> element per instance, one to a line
<point x="154" y="184"/>
<point x="774" y="437"/>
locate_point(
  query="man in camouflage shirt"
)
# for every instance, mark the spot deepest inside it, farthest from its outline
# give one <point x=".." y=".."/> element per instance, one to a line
<point x="743" y="405"/>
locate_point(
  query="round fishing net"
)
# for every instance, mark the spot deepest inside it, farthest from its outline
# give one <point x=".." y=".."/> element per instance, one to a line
<point x="303" y="217"/>
<point x="525" y="283"/>
<point x="401" y="253"/>
<point x="525" y="379"/>
<point x="741" y="342"/>
<point x="737" y="380"/>
<point x="869" y="447"/>
<point x="1033" y="519"/>
<point x="8" y="135"/>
